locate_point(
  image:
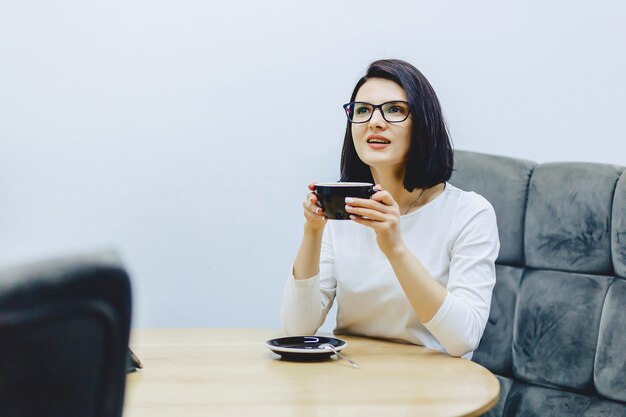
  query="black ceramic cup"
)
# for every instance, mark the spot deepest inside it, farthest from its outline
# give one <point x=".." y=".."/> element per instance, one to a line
<point x="332" y="196"/>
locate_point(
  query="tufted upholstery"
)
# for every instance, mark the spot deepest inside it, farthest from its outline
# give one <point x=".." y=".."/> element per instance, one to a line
<point x="556" y="336"/>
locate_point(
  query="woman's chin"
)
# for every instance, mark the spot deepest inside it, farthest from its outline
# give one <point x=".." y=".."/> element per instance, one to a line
<point x="379" y="158"/>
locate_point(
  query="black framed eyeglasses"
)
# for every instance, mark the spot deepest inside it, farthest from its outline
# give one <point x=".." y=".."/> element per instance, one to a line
<point x="392" y="111"/>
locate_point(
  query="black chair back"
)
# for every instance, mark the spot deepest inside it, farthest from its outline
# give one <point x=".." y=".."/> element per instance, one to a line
<point x="64" y="329"/>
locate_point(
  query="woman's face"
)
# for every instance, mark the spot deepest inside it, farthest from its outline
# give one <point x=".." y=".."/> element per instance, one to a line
<point x="378" y="143"/>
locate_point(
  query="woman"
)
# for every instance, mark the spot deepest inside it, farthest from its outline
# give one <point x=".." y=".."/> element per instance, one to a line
<point x="416" y="262"/>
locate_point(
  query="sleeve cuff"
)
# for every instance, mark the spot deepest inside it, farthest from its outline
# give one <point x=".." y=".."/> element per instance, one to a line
<point x="304" y="284"/>
<point x="440" y="315"/>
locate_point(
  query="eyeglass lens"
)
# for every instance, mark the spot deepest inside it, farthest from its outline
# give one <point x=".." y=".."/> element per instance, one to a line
<point x="393" y="111"/>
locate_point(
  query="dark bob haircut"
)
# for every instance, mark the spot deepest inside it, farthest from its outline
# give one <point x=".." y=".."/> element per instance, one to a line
<point x="430" y="160"/>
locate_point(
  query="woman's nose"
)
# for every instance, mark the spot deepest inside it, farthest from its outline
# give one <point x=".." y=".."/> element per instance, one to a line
<point x="377" y="119"/>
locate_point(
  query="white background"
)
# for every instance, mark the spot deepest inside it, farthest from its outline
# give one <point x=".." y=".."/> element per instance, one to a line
<point x="183" y="133"/>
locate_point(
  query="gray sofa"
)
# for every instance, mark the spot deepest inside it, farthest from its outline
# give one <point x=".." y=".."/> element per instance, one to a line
<point x="556" y="336"/>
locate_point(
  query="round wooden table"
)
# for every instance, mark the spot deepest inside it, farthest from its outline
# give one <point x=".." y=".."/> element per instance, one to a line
<point x="230" y="372"/>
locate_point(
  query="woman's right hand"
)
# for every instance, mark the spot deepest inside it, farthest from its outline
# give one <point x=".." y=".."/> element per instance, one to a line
<point x="315" y="219"/>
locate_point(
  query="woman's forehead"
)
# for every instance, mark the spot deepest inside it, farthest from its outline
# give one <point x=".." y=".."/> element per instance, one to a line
<point x="380" y="90"/>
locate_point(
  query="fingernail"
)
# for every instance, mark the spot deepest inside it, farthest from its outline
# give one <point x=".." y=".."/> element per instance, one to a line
<point x="352" y="217"/>
<point x="349" y="200"/>
<point x="318" y="210"/>
<point x="348" y="207"/>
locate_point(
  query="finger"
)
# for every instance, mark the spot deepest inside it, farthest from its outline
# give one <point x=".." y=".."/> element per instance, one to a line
<point x="378" y="187"/>
<point x="313" y="195"/>
<point x="384" y="197"/>
<point x="370" y="204"/>
<point x="365" y="222"/>
<point x="314" y="218"/>
<point x="313" y="200"/>
<point x="309" y="206"/>
<point x="365" y="212"/>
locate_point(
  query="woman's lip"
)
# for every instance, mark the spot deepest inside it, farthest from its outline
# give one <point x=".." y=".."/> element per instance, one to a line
<point x="376" y="145"/>
<point x="376" y="137"/>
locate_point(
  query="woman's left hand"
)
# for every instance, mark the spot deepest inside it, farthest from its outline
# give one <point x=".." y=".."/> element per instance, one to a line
<point x="381" y="213"/>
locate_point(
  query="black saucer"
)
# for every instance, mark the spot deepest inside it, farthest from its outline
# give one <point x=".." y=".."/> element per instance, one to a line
<point x="305" y="348"/>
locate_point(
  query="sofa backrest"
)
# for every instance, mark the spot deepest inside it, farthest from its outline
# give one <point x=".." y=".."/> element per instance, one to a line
<point x="556" y="335"/>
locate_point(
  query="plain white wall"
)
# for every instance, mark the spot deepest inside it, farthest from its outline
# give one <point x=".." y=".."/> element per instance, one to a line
<point x="184" y="133"/>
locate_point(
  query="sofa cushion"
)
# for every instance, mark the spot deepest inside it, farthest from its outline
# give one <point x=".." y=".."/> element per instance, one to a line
<point x="609" y="374"/>
<point x="532" y="401"/>
<point x="556" y="328"/>
<point x="568" y="219"/>
<point x="494" y="351"/>
<point x="618" y="228"/>
<point x="504" y="182"/>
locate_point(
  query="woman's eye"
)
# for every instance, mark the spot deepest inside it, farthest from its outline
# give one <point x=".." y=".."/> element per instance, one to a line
<point x="395" y="109"/>
<point x="362" y="110"/>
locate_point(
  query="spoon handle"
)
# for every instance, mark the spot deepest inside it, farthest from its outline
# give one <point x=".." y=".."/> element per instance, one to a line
<point x="340" y="355"/>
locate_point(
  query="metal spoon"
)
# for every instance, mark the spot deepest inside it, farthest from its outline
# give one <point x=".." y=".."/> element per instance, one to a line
<point x="328" y="346"/>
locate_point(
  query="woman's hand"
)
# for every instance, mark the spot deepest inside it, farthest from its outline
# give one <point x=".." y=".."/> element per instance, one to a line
<point x="381" y="213"/>
<point x="307" y="263"/>
<point x="315" y="219"/>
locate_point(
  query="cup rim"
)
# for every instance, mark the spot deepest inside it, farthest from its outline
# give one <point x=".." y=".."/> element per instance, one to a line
<point x="344" y="184"/>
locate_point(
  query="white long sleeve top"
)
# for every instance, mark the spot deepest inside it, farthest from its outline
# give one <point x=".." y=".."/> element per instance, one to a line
<point x="454" y="236"/>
